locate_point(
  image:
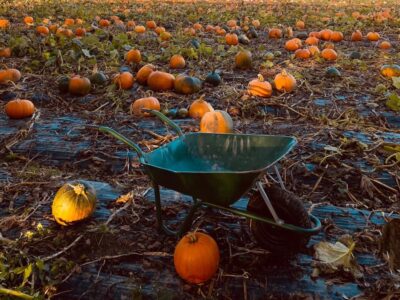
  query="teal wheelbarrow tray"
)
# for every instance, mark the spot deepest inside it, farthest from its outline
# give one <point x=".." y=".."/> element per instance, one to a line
<point x="217" y="170"/>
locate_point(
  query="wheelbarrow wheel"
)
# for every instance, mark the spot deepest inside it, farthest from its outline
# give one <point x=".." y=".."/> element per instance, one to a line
<point x="289" y="209"/>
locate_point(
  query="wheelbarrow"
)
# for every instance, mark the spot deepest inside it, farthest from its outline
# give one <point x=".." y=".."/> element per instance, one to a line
<point x="217" y="170"/>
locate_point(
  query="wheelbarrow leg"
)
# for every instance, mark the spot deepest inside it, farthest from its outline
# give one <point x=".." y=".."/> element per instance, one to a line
<point x="186" y="223"/>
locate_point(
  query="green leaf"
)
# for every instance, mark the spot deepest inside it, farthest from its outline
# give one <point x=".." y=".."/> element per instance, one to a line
<point x="393" y="102"/>
<point x="396" y="82"/>
<point x="27" y="274"/>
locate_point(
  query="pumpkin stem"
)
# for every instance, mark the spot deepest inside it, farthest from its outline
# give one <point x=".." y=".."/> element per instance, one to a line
<point x="284" y="73"/>
<point x="202" y="97"/>
<point x="192" y="237"/>
<point x="260" y="77"/>
<point x="79" y="189"/>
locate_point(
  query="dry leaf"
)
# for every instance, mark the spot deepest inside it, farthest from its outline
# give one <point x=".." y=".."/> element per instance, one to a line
<point x="336" y="257"/>
<point x="125" y="198"/>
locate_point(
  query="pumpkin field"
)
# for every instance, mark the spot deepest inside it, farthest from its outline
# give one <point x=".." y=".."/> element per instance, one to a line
<point x="199" y="149"/>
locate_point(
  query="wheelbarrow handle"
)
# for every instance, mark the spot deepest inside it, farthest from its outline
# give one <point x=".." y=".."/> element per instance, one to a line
<point x="125" y="140"/>
<point x="165" y="119"/>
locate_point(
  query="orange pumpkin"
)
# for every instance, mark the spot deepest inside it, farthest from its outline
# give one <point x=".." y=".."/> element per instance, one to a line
<point x="199" y="107"/>
<point x="385" y="45"/>
<point x="104" y="23"/>
<point x="197" y="26"/>
<point x="302" y="53"/>
<point x="144" y="73"/>
<point x="80" y="31"/>
<point x="336" y="36"/>
<point x="232" y="39"/>
<point x="78" y="21"/>
<point x="160" y="81"/>
<point x="220" y="31"/>
<point x="159" y="30"/>
<point x="177" y="62"/>
<point x="325" y="34"/>
<point x="69" y="22"/>
<point x="329" y="45"/>
<point x="256" y="23"/>
<point x="312" y="41"/>
<point x="300" y="25"/>
<point x="140" y="29"/>
<point x="79" y="85"/>
<point x="259" y="87"/>
<point x="390" y="70"/>
<point x="314" y="50"/>
<point x="315" y="34"/>
<point x="196" y="257"/>
<point x="130" y="24"/>
<point x="5" y="52"/>
<point x="373" y="36"/>
<point x="53" y="28"/>
<point x="275" y="33"/>
<point x="217" y="121"/>
<point x="18" y="109"/>
<point x="243" y="59"/>
<point x="148" y="103"/>
<point x="133" y="56"/>
<point x="28" y="20"/>
<point x="293" y="44"/>
<point x="9" y="75"/>
<point x="42" y="30"/>
<point x="209" y="28"/>
<point x="187" y="84"/>
<point x="124" y="80"/>
<point x="4" y="23"/>
<point x="284" y="81"/>
<point x="231" y="23"/>
<point x="329" y="54"/>
<point x="151" y="24"/>
<point x="356" y="36"/>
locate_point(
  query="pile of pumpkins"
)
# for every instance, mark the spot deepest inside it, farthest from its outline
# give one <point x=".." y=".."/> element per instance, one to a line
<point x="196" y="256"/>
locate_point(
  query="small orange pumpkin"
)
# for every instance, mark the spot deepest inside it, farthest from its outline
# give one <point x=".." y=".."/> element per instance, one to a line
<point x="356" y="36"/>
<point x="293" y="44"/>
<point x="124" y="80"/>
<point x="312" y="40"/>
<point x="259" y="87"/>
<point x="144" y="73"/>
<point x="196" y="257"/>
<point x="9" y="75"/>
<point x="160" y="81"/>
<point x="325" y="34"/>
<point x="69" y="22"/>
<point x="80" y="31"/>
<point x="148" y="103"/>
<point x="151" y="24"/>
<point x="130" y="24"/>
<point x="231" y="23"/>
<point x="315" y="34"/>
<point x="177" y="62"/>
<point x="329" y="45"/>
<point x="329" y="54"/>
<point x="390" y="70"/>
<point x="220" y="31"/>
<point x="284" y="81"/>
<point x="300" y="24"/>
<point x="133" y="56"/>
<point x="140" y="29"/>
<point x="19" y="109"/>
<point x="197" y="26"/>
<point x="232" y="39"/>
<point x="42" y="30"/>
<point x="217" y="121"/>
<point x="4" y="23"/>
<point x="5" y="52"/>
<point x="165" y="36"/>
<point x="275" y="33"/>
<point x="336" y="36"/>
<point x="79" y="85"/>
<point x="159" y="30"/>
<point x="302" y="53"/>
<point x="199" y="107"/>
<point x="209" y="28"/>
<point x="104" y="23"/>
<point x="373" y="36"/>
<point x="256" y="23"/>
<point x="28" y="20"/>
<point x="385" y="45"/>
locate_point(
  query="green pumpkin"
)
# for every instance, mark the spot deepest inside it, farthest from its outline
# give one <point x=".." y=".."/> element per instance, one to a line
<point x="98" y="78"/>
<point x="213" y="78"/>
<point x="74" y="201"/>
<point x="187" y="84"/>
